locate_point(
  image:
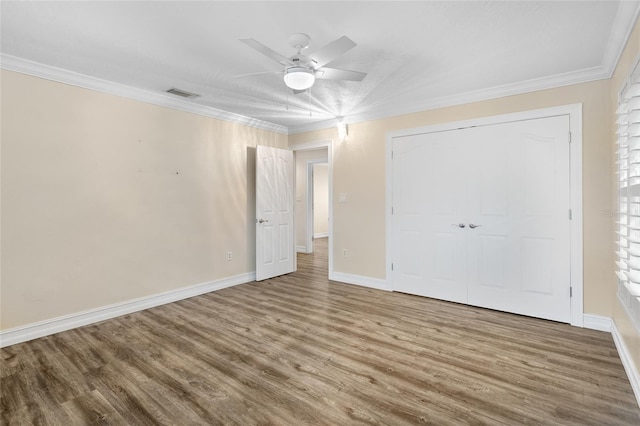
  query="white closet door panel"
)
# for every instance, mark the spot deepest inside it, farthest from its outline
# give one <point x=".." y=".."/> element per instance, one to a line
<point x="429" y="251"/>
<point x="519" y="258"/>
<point x="511" y="180"/>
<point x="491" y="259"/>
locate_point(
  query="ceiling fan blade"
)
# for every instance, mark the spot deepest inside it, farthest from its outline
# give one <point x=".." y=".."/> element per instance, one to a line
<point x="267" y="51"/>
<point x="338" y="74"/>
<point x="331" y="51"/>
<point x="256" y="73"/>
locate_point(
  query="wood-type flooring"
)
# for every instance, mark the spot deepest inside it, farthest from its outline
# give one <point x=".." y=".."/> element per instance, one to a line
<point x="301" y="350"/>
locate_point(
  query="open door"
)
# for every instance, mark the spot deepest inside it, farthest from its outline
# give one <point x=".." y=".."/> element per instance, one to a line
<point x="275" y="232"/>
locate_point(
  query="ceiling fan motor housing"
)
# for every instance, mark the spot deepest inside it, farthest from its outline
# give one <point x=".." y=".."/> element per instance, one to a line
<point x="299" y="41"/>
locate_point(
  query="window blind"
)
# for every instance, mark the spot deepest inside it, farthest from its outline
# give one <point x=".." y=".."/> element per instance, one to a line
<point x="628" y="223"/>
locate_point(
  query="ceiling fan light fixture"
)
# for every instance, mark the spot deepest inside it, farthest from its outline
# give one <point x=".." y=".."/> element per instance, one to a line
<point x="299" y="78"/>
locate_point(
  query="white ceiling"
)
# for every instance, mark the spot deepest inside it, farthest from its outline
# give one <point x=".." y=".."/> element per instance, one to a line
<point x="418" y="55"/>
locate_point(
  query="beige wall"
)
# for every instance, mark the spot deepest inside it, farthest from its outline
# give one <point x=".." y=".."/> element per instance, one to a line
<point x="359" y="172"/>
<point x="626" y="328"/>
<point x="106" y="199"/>
<point x="302" y="157"/>
<point x="320" y="199"/>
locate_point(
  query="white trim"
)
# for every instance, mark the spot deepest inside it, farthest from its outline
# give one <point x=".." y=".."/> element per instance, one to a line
<point x="377" y="283"/>
<point x="628" y="12"/>
<point x="321" y="235"/>
<point x="627" y="361"/>
<point x="301" y="249"/>
<point x="597" y="322"/>
<point x="494" y="119"/>
<point x="626" y="299"/>
<point x="24" y="66"/>
<point x="388" y="155"/>
<point x="330" y="123"/>
<point x="79" y="319"/>
<point x="325" y="143"/>
<point x="600" y="323"/>
<point x="577" y="267"/>
<point x="585" y="76"/>
<point x="574" y="112"/>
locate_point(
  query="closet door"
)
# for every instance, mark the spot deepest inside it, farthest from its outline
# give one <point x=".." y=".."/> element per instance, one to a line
<point x="518" y="196"/>
<point x="508" y="185"/>
<point x="429" y="248"/>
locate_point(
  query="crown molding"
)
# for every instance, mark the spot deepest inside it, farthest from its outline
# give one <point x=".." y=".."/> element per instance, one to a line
<point x="628" y="13"/>
<point x="331" y="122"/>
<point x="528" y="86"/>
<point x="24" y="66"/>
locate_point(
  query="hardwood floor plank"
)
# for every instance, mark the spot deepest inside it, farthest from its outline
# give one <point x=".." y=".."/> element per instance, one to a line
<point x="130" y="397"/>
<point x="92" y="409"/>
<point x="12" y="360"/>
<point x="300" y="349"/>
<point x="83" y="357"/>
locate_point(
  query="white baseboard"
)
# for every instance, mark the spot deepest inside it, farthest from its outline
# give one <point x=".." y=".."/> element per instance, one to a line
<point x="376" y="283"/>
<point x="627" y="362"/>
<point x="67" y="322"/>
<point x="321" y="235"/>
<point x="597" y="322"/>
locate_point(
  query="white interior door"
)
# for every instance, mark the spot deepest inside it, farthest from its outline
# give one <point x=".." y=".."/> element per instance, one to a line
<point x="275" y="245"/>
<point x="429" y="246"/>
<point x="508" y="185"/>
<point x="519" y="198"/>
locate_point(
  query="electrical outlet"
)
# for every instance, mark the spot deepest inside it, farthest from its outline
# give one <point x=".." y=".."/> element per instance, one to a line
<point x="344" y="252"/>
<point x="229" y="255"/>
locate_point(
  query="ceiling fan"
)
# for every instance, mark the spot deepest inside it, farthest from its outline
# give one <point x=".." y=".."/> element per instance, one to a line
<point x="300" y="71"/>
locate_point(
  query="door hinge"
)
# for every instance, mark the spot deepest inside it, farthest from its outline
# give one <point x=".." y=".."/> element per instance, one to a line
<point x="392" y="266"/>
<point x="570" y="291"/>
<point x="570" y="214"/>
<point x="569" y="137"/>
<point x="391" y="209"/>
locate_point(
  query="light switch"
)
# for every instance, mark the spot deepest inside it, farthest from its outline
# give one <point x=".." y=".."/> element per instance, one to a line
<point x="342" y="197"/>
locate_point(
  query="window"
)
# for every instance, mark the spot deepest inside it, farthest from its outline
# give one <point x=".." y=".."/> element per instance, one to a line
<point x="628" y="224"/>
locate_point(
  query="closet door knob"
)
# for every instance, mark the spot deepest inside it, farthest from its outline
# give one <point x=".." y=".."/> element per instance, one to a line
<point x="472" y="226"/>
<point x="459" y="225"/>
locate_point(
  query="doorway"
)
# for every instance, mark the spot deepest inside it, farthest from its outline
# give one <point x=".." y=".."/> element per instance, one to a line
<point x="314" y="219"/>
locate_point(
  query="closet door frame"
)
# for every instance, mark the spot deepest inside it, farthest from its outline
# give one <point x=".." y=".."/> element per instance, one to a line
<point x="574" y="111"/>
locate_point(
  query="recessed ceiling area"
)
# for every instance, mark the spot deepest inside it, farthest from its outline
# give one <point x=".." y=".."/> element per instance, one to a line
<point x="417" y="55"/>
